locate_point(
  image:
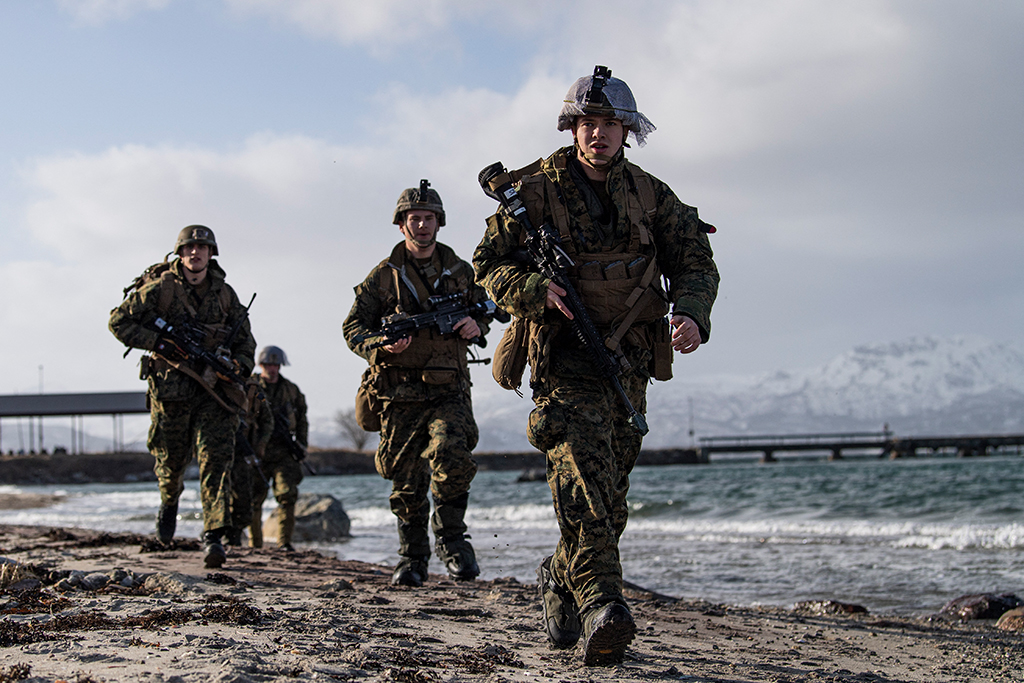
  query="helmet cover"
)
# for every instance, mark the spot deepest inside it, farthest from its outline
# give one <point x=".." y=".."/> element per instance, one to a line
<point x="603" y="95"/>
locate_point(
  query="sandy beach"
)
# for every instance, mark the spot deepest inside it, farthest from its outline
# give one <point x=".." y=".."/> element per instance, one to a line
<point x="81" y="606"/>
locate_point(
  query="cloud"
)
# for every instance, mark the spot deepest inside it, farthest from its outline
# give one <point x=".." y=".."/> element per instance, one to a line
<point x="96" y="12"/>
<point x="860" y="160"/>
<point x="375" y="24"/>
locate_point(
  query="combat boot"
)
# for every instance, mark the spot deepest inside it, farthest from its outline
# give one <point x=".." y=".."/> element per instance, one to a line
<point x="561" y="616"/>
<point x="214" y="554"/>
<point x="414" y="549"/>
<point x="452" y="546"/>
<point x="607" y="631"/>
<point x="287" y="527"/>
<point x="256" y="529"/>
<point x="166" y="522"/>
<point x="411" y="571"/>
<point x="233" y="536"/>
<point x="458" y="557"/>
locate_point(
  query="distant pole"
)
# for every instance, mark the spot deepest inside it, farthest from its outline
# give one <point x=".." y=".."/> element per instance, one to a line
<point x="693" y="443"/>
<point x="42" y="448"/>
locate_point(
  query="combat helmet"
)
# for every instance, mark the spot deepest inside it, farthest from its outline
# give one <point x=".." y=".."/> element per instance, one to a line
<point x="423" y="198"/>
<point x="604" y="95"/>
<point x="196" y="234"/>
<point x="272" y="355"/>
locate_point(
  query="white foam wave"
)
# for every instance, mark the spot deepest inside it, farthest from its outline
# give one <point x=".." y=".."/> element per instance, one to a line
<point x="893" y="534"/>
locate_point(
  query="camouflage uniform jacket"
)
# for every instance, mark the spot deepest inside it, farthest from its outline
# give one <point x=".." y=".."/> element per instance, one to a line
<point x="433" y="364"/>
<point x="682" y="250"/>
<point x="213" y="305"/>
<point x="288" y="401"/>
<point x="259" y="421"/>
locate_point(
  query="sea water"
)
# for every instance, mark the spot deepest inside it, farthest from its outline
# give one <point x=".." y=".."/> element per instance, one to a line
<point x="901" y="536"/>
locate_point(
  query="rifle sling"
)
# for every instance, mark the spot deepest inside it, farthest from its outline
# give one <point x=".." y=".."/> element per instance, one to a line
<point x="181" y="367"/>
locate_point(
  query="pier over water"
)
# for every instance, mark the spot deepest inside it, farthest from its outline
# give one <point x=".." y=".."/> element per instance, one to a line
<point x="884" y="443"/>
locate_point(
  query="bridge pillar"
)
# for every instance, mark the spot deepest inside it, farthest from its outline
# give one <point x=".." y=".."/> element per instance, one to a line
<point x="768" y="456"/>
<point x="837" y="454"/>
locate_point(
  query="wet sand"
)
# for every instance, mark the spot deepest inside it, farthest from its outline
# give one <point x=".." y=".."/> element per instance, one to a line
<point x="84" y="606"/>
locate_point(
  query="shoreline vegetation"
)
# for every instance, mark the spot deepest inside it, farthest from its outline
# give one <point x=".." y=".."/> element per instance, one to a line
<point x="85" y="606"/>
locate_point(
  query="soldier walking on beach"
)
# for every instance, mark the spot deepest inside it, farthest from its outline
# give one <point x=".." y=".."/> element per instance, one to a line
<point x="624" y="230"/>
<point x="423" y="387"/>
<point x="192" y="408"/>
<point x="282" y="459"/>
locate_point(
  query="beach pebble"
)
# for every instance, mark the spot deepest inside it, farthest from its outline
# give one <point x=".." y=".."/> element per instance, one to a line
<point x="94" y="581"/>
<point x="829" y="607"/>
<point x="332" y="588"/>
<point x="171" y="582"/>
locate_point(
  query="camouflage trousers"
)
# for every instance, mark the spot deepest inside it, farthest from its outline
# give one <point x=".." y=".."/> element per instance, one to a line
<point x="282" y="472"/>
<point x="426" y="446"/>
<point x="200" y="426"/>
<point x="243" y="476"/>
<point x="580" y="424"/>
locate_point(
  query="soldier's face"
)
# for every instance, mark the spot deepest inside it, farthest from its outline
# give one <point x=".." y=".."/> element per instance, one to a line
<point x="599" y="138"/>
<point x="195" y="257"/>
<point x="419" y="229"/>
<point x="270" y="371"/>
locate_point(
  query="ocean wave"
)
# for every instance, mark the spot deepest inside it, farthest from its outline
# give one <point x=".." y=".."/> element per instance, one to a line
<point x="891" y="534"/>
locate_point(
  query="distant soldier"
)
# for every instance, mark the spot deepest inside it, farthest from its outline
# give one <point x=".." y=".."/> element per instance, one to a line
<point x="427" y="428"/>
<point x="191" y="407"/>
<point x="624" y="231"/>
<point x="281" y="461"/>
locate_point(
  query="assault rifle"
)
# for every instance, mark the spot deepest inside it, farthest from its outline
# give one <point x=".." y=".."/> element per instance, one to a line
<point x="446" y="310"/>
<point x="184" y="342"/>
<point x="181" y="342"/>
<point x="543" y="245"/>
<point x="297" y="452"/>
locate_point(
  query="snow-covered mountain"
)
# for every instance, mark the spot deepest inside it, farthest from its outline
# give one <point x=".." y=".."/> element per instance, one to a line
<point x="922" y="386"/>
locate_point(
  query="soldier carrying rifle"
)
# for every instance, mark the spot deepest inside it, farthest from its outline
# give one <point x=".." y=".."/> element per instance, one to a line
<point x="421" y="389"/>
<point x="200" y="350"/>
<point x="599" y="234"/>
<point x="281" y="462"/>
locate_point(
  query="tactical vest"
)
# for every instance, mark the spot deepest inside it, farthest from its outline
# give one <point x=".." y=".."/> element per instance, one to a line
<point x="160" y="371"/>
<point x="620" y="285"/>
<point x="431" y="357"/>
<point x="171" y="288"/>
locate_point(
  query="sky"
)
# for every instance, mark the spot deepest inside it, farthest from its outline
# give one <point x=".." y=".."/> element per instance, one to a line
<point x="863" y="160"/>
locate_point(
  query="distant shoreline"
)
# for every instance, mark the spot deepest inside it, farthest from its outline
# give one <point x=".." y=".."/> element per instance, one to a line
<point x="112" y="468"/>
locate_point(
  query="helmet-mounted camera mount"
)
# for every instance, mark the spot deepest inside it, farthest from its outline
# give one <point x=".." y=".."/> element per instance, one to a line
<point x="596" y="96"/>
<point x="424" y="196"/>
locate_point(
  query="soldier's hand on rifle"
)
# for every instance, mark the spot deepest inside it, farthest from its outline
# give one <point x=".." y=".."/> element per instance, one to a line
<point x="467" y="328"/>
<point x="685" y="334"/>
<point x="168" y="349"/>
<point x="554" y="300"/>
<point x="398" y="346"/>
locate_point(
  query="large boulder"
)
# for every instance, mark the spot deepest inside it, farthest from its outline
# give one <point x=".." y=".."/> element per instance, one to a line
<point x="980" y="606"/>
<point x="318" y="519"/>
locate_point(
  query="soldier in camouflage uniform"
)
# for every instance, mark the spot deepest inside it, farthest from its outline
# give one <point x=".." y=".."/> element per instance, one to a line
<point x="281" y="469"/>
<point x="624" y="229"/>
<point x="257" y="424"/>
<point x="422" y="382"/>
<point x="191" y="409"/>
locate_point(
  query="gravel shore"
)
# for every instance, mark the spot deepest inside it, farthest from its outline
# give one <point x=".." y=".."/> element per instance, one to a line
<point x="79" y="605"/>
